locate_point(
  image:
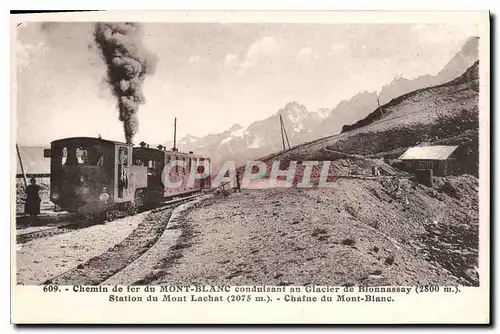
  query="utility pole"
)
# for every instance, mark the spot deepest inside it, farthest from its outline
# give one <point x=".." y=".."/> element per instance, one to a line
<point x="175" y="134"/>
<point x="284" y="134"/>
<point x="379" y="107"/>
<point x="21" y="163"/>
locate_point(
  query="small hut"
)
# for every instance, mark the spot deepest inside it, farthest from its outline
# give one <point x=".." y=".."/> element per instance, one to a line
<point x="440" y="159"/>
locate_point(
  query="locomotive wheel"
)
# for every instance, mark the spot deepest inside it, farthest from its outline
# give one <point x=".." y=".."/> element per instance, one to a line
<point x="132" y="209"/>
<point x="138" y="201"/>
<point x="110" y="216"/>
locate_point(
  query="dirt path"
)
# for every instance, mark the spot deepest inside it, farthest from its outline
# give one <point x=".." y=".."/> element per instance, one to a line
<point x="146" y="265"/>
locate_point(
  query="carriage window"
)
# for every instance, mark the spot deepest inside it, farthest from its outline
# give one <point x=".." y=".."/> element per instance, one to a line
<point x="189" y="165"/>
<point x="64" y="155"/>
<point x="71" y="157"/>
<point x="100" y="160"/>
<point x="152" y="166"/>
<point x="193" y="164"/>
<point x="123" y="156"/>
<point x="92" y="156"/>
<point x="81" y="155"/>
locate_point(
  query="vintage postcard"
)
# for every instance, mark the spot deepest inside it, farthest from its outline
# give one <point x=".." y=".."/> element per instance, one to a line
<point x="250" y="167"/>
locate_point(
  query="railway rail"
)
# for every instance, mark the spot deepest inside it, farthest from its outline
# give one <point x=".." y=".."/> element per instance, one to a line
<point x="72" y="225"/>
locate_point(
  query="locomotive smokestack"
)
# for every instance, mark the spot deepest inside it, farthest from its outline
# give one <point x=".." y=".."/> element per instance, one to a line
<point x="128" y="64"/>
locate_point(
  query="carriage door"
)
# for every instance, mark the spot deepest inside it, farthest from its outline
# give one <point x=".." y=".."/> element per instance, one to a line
<point x="201" y="170"/>
<point x="123" y="163"/>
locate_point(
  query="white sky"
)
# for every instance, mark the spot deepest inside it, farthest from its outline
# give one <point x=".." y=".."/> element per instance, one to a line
<point x="211" y="76"/>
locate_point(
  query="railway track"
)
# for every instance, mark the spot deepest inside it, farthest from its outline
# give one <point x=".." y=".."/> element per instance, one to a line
<point x="69" y="226"/>
<point x="99" y="268"/>
<point x="43" y="233"/>
<point x="174" y="202"/>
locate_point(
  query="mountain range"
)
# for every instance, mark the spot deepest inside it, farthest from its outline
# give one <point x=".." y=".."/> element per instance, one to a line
<point x="263" y="137"/>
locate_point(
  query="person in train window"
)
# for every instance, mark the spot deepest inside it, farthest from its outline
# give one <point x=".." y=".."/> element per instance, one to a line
<point x="84" y="160"/>
<point x="71" y="159"/>
<point x="123" y="156"/>
<point x="32" y="205"/>
<point x="151" y="170"/>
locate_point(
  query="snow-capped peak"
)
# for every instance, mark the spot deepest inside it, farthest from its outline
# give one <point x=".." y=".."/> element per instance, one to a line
<point x="237" y="131"/>
<point x="235" y="127"/>
<point x="295" y="112"/>
<point x="322" y="113"/>
<point x="188" y="139"/>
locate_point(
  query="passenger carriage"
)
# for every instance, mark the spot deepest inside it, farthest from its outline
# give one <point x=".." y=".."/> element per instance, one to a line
<point x="157" y="159"/>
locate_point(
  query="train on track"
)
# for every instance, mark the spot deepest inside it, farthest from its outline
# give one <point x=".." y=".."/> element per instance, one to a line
<point x="103" y="179"/>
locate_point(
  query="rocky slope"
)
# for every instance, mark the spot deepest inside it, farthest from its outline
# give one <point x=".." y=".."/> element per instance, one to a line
<point x="360" y="233"/>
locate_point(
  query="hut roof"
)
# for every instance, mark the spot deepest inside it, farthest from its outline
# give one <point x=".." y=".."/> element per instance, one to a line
<point x="33" y="160"/>
<point x="428" y="153"/>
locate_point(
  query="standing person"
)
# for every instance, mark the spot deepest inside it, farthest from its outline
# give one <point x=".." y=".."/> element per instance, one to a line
<point x="32" y="206"/>
<point x="238" y="187"/>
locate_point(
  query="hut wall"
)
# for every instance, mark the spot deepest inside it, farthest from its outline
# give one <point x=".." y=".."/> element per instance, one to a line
<point x="438" y="167"/>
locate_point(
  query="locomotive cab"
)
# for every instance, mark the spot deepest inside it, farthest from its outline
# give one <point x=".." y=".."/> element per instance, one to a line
<point x="91" y="176"/>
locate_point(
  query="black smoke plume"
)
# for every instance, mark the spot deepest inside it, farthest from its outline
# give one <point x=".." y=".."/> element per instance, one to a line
<point x="128" y="63"/>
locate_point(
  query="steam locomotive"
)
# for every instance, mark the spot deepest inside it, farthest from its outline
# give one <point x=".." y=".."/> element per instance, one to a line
<point x="102" y="179"/>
